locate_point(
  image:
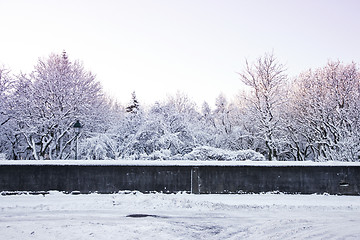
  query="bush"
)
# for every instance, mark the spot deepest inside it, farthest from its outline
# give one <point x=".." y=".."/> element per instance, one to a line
<point x="3" y="156"/>
<point x="209" y="153"/>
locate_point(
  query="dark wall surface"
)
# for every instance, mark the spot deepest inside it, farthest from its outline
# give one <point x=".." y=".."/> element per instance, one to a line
<point x="199" y="179"/>
<point x="289" y="179"/>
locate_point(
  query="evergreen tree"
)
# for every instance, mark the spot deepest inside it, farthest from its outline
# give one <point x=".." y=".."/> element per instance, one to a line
<point x="134" y="105"/>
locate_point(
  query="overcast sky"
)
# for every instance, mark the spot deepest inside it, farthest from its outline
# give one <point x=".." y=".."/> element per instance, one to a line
<point x="156" y="47"/>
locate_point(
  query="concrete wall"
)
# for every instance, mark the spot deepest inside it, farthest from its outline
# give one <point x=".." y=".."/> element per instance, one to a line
<point x="289" y="179"/>
<point x="199" y="179"/>
<point x="103" y="179"/>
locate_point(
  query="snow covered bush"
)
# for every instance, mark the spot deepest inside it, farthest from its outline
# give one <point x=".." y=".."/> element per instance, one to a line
<point x="209" y="153"/>
<point x="98" y="147"/>
<point x="162" y="154"/>
<point x="3" y="156"/>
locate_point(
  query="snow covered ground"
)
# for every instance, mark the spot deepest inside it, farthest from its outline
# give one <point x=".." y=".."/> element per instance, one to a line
<point x="179" y="216"/>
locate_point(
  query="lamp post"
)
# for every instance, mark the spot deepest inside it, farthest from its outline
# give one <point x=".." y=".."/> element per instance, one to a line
<point x="77" y="128"/>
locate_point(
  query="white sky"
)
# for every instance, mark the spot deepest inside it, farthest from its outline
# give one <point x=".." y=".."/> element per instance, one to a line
<point x="157" y="47"/>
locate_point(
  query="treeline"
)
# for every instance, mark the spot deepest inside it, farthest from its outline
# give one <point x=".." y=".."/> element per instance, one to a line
<point x="312" y="117"/>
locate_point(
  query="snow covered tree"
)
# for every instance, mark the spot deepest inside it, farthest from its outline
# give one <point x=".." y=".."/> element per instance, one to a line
<point x="166" y="129"/>
<point x="99" y="146"/>
<point x="223" y="124"/>
<point x="325" y="113"/>
<point x="134" y="105"/>
<point x="182" y="118"/>
<point x="127" y="129"/>
<point x="206" y="113"/>
<point x="5" y="86"/>
<point x="7" y="143"/>
<point x="266" y="78"/>
<point x="206" y="127"/>
<point x="221" y="115"/>
<point x="47" y="103"/>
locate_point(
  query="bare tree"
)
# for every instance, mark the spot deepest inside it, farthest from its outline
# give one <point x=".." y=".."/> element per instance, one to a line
<point x="266" y="78"/>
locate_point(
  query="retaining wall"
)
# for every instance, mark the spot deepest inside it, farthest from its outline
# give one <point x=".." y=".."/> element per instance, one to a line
<point x="195" y="179"/>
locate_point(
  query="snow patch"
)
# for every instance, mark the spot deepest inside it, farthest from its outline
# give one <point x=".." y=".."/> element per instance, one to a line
<point x="206" y="153"/>
<point x="179" y="216"/>
<point x="175" y="163"/>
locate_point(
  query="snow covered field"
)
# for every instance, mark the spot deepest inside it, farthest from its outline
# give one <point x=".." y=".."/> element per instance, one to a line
<point x="132" y="215"/>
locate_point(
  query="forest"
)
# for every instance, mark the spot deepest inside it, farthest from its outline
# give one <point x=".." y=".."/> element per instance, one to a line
<point x="313" y="116"/>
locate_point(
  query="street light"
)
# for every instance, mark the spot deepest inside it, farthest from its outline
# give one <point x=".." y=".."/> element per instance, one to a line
<point x="77" y="128"/>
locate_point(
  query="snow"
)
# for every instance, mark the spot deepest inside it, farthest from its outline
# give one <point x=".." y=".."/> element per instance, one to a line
<point x="174" y="163"/>
<point x="207" y="153"/>
<point x="179" y="216"/>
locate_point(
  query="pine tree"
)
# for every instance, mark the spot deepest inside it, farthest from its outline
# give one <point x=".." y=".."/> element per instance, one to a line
<point x="134" y="105"/>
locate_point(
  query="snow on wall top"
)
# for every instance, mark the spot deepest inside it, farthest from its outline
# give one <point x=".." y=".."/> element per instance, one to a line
<point x="173" y="163"/>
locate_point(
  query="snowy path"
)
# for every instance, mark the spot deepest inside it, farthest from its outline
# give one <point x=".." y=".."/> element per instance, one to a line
<point x="180" y="216"/>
